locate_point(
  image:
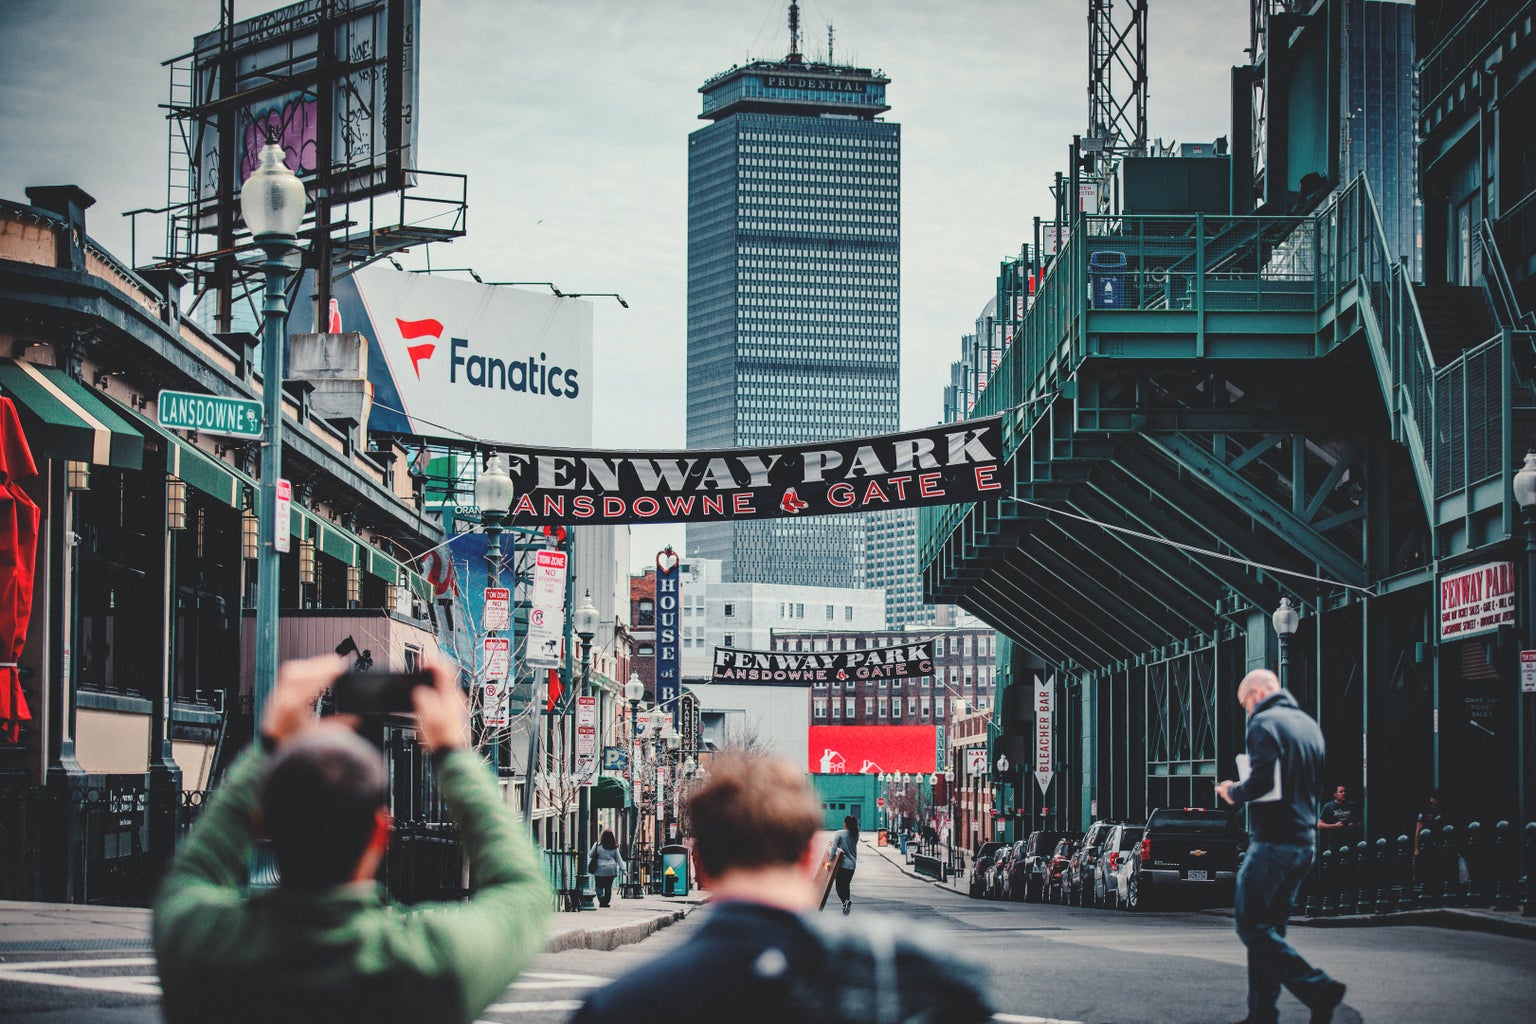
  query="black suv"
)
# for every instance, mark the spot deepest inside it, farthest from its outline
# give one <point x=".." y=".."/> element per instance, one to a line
<point x="1037" y="857"/>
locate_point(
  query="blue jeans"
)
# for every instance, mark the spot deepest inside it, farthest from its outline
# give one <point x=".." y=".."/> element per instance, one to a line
<point x="1266" y="888"/>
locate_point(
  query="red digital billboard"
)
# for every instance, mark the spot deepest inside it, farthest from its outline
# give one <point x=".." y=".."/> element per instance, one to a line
<point x="857" y="749"/>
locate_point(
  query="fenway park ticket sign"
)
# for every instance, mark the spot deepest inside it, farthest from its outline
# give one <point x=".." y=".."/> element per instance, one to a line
<point x="904" y="661"/>
<point x="953" y="463"/>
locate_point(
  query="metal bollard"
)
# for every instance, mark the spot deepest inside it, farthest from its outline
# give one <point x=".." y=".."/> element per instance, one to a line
<point x="1450" y="868"/>
<point x="1365" y="900"/>
<point x="1346" y="857"/>
<point x="1326" y="881"/>
<point x="1505" y="868"/>
<point x="1405" y="893"/>
<point x="1426" y="881"/>
<point x="1476" y="864"/>
<point x="1385" y="904"/>
<point x="1312" y="890"/>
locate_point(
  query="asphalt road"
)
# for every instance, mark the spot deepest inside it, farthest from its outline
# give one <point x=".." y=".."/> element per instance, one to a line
<point x="1045" y="964"/>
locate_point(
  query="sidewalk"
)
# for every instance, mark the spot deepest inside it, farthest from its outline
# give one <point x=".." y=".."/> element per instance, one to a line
<point x="1508" y="923"/>
<point x="68" y="927"/>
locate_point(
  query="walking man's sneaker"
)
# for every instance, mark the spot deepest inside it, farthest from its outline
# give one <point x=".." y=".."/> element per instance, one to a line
<point x="1322" y="1010"/>
<point x="847" y="906"/>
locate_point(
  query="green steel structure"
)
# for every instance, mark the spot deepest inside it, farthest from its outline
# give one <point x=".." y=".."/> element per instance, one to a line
<point x="1206" y="414"/>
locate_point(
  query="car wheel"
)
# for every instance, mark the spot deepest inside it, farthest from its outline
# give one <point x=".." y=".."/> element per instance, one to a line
<point x="1135" y="899"/>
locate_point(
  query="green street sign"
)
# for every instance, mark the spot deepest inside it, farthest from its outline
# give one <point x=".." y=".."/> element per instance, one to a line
<point x="238" y="417"/>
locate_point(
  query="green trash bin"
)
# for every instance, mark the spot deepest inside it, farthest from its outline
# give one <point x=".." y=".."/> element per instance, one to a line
<point x="674" y="870"/>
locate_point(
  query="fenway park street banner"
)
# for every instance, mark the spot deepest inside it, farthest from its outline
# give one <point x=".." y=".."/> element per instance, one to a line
<point x="901" y="662"/>
<point x="957" y="462"/>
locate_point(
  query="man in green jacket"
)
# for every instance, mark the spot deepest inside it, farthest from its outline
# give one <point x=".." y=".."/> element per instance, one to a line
<point x="326" y="945"/>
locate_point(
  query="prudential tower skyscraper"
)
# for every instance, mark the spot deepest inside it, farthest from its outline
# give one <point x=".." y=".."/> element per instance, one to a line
<point x="794" y="273"/>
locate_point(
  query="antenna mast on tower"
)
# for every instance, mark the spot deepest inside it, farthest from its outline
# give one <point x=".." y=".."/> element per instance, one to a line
<point x="1117" y="79"/>
<point x="829" y="44"/>
<point x="794" y="33"/>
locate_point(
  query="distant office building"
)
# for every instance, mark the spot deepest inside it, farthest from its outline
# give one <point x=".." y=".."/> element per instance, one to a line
<point x="794" y="229"/>
<point x="1380" y="121"/>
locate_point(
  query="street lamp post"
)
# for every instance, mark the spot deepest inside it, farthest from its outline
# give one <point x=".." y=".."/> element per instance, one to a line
<point x="493" y="494"/>
<point x="1002" y="789"/>
<point x="584" y="622"/>
<point x="1285" y="620"/>
<point x="272" y="202"/>
<point x="634" y="693"/>
<point x="1525" y="497"/>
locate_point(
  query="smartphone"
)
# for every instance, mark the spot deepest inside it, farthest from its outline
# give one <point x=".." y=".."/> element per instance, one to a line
<point x="378" y="693"/>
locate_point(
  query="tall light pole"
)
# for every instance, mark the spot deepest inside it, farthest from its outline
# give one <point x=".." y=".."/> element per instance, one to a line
<point x="634" y="693"/>
<point x="1525" y="497"/>
<point x="1002" y="789"/>
<point x="272" y="201"/>
<point x="1285" y="621"/>
<point x="584" y="621"/>
<point x="493" y="494"/>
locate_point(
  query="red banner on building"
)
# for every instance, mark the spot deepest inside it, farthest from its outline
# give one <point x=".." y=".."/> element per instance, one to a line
<point x="861" y="749"/>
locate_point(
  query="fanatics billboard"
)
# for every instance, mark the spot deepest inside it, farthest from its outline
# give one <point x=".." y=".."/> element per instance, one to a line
<point x="953" y="463"/>
<point x="862" y="749"/>
<point x="907" y="661"/>
<point x="453" y="360"/>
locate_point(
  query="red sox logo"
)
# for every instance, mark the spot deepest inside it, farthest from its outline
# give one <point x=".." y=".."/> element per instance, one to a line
<point x="791" y="502"/>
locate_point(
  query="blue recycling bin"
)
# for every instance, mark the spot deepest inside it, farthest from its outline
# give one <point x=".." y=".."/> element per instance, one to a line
<point x="674" y="871"/>
<point x="1106" y="277"/>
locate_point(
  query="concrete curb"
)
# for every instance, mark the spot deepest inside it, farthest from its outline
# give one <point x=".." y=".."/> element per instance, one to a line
<point x="614" y="936"/>
<point x="901" y="865"/>
<point x="1491" y="923"/>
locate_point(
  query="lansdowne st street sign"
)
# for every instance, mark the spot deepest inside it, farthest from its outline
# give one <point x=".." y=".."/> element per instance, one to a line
<point x="213" y="414"/>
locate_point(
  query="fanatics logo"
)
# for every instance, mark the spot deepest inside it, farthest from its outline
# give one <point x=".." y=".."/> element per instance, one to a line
<point x="411" y="329"/>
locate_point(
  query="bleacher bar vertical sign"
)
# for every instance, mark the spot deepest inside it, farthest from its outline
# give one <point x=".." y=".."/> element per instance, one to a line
<point x="668" y="669"/>
<point x="1045" y="700"/>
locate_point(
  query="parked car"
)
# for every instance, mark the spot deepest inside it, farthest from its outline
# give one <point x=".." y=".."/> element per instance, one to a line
<point x="1077" y="880"/>
<point x="1037" y="854"/>
<point x="1056" y="867"/>
<point x="1189" y="850"/>
<point x="1013" y="887"/>
<point x="1108" y="881"/>
<point x="1003" y="868"/>
<point x="980" y="866"/>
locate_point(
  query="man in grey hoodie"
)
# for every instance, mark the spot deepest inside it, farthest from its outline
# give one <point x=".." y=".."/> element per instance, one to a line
<point x="1285" y="746"/>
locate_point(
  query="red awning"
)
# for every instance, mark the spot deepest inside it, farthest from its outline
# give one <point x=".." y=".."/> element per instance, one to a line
<point x="19" y="518"/>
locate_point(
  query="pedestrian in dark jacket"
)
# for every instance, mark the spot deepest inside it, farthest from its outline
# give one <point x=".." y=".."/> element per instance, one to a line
<point x="326" y="945"/>
<point x="759" y="956"/>
<point x="1285" y="760"/>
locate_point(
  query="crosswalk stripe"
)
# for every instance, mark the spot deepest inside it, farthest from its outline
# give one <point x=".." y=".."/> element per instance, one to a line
<point x="1013" y="1018"/>
<point x="548" y="1006"/>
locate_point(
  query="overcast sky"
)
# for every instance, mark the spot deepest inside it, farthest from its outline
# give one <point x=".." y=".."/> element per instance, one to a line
<point x="571" y="119"/>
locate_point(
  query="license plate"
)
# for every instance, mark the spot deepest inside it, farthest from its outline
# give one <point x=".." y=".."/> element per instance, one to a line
<point x="1198" y="876"/>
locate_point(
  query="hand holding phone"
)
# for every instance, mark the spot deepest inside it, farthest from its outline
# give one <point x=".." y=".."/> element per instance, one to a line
<point x="379" y="693"/>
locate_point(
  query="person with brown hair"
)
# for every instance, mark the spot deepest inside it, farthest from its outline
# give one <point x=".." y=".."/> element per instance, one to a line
<point x="758" y="951"/>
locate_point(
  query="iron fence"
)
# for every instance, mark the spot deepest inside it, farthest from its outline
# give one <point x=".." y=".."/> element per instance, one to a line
<point x="425" y="863"/>
<point x="83" y="844"/>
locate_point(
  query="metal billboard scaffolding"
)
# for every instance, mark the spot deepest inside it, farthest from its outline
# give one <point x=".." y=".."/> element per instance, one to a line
<point x="336" y="82"/>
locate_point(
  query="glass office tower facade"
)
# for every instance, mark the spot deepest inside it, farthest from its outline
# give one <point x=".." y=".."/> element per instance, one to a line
<point x="1380" y="122"/>
<point x="794" y="228"/>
